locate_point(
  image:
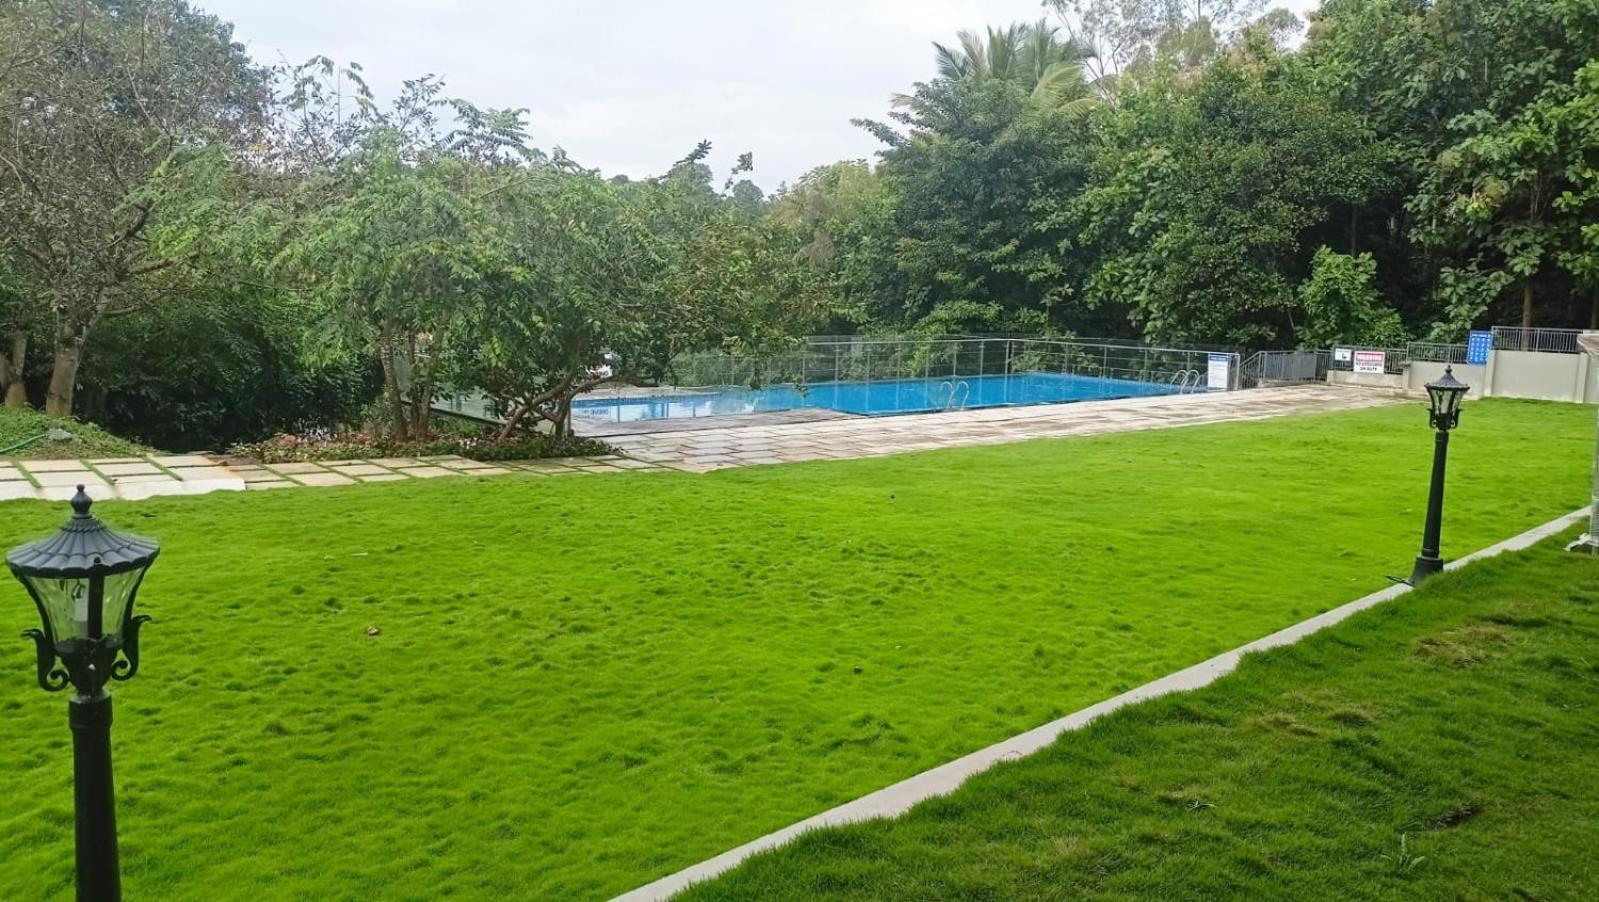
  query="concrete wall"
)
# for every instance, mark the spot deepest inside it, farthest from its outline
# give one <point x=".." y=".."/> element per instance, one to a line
<point x="1366" y="380"/>
<point x="1419" y="373"/>
<point x="1508" y="374"/>
<point x="1532" y="374"/>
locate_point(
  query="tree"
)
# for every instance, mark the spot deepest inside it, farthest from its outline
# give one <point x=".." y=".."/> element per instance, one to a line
<point x="15" y="315"/>
<point x="1342" y="305"/>
<point x="1031" y="55"/>
<point x="385" y="230"/>
<point x="595" y="281"/>
<point x="1206" y="193"/>
<point x="1119" y="35"/>
<point x="1520" y="187"/>
<point x="843" y="217"/>
<point x="112" y="114"/>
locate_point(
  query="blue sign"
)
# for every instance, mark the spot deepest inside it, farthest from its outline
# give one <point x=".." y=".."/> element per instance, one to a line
<point x="1478" y="346"/>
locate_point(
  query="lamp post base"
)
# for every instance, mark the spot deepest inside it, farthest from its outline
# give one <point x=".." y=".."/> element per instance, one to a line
<point x="1425" y="566"/>
<point x="1586" y="543"/>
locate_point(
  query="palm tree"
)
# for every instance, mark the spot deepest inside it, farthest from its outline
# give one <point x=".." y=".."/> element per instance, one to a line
<point x="1031" y="55"/>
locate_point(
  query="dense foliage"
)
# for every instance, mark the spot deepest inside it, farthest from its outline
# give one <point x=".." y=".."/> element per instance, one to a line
<point x="1410" y="168"/>
<point x="200" y="250"/>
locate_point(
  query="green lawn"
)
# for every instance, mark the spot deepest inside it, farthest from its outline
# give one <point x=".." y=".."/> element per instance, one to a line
<point x="1439" y="747"/>
<point x="585" y="682"/>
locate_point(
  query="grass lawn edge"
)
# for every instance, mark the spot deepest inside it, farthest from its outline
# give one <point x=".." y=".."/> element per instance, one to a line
<point x="899" y="798"/>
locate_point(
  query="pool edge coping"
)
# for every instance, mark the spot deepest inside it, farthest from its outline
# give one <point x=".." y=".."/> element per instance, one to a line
<point x="898" y="798"/>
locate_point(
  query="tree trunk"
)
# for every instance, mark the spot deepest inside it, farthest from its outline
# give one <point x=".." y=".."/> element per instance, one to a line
<point x="1593" y="308"/>
<point x="64" y="374"/>
<point x="391" y="385"/>
<point x="563" y="417"/>
<point x="421" y="392"/>
<point x="1526" y="304"/>
<point x="12" y="368"/>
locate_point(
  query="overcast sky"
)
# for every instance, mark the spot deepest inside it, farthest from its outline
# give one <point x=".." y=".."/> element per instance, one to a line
<point x="629" y="86"/>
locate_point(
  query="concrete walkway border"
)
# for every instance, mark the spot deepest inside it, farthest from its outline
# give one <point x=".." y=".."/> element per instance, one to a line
<point x="946" y="778"/>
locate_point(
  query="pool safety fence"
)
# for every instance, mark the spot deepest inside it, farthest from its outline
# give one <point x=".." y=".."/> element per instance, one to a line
<point x="953" y="359"/>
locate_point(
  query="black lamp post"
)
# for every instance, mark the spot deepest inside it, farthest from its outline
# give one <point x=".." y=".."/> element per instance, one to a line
<point x="83" y="580"/>
<point x="1444" y="397"/>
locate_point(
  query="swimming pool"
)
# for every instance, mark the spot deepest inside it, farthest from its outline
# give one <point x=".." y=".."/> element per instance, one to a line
<point x="873" y="398"/>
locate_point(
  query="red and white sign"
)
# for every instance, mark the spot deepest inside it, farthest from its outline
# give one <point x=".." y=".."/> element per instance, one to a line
<point x="1371" y="362"/>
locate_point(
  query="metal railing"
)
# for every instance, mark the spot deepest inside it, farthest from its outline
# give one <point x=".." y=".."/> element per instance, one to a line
<point x="1549" y="341"/>
<point x="1435" y="352"/>
<point x="1278" y="367"/>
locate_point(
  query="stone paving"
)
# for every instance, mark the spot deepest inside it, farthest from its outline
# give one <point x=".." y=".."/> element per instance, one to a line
<point x="196" y="474"/>
<point x="736" y="442"/>
<point x="715" y="448"/>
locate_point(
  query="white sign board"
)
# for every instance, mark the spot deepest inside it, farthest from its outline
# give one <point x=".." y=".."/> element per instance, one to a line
<point x="1216" y="372"/>
<point x="1342" y="355"/>
<point x="1371" y="362"/>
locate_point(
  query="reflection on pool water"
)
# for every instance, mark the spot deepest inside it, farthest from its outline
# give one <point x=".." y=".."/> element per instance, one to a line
<point x="872" y="398"/>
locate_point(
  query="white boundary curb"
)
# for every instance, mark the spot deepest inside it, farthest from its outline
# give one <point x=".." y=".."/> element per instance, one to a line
<point x="946" y="778"/>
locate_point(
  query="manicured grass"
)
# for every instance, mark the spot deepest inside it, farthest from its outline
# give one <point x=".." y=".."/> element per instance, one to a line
<point x="88" y="440"/>
<point x="584" y="682"/>
<point x="1440" y="747"/>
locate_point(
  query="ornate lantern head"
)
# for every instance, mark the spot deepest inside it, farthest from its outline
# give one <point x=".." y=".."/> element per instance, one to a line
<point x="83" y="580"/>
<point x="1444" y="396"/>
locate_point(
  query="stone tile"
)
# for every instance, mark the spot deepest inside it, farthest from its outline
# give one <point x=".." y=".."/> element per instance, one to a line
<point x="69" y="478"/>
<point x="553" y="465"/>
<point x="52" y="466"/>
<point x="428" y="472"/>
<point x="439" y="457"/>
<point x="324" y="478"/>
<point x="127" y="469"/>
<point x="383" y="477"/>
<point x="359" y="469"/>
<point x="464" y="464"/>
<point x="632" y="464"/>
<point x="133" y="491"/>
<point x="259" y="476"/>
<point x="184" y="460"/>
<point x="299" y="467"/>
<point x="487" y="471"/>
<point x="116" y="460"/>
<point x="13" y="490"/>
<point x="144" y="477"/>
<point x="99" y="491"/>
<point x="196" y="474"/>
<point x="340" y="463"/>
<point x="395" y="462"/>
<point x="271" y="484"/>
<point x="9" y="473"/>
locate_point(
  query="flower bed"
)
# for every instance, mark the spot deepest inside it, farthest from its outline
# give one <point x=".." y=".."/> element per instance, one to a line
<point x="359" y="445"/>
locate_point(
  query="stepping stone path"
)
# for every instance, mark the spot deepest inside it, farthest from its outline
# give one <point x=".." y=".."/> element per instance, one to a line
<point x="132" y="478"/>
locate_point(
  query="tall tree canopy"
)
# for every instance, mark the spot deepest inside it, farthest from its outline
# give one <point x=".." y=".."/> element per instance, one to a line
<point x="117" y="120"/>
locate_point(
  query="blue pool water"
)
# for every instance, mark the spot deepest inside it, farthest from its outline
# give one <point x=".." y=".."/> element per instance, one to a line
<point x="872" y="398"/>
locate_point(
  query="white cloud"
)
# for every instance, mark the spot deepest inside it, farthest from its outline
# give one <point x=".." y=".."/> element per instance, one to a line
<point x="631" y="85"/>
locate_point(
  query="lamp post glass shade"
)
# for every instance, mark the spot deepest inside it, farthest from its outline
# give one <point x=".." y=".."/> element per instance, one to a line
<point x="1444" y="397"/>
<point x="84" y="580"/>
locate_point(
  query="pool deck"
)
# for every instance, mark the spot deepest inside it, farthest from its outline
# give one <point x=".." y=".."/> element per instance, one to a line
<point x="706" y="444"/>
<point x="605" y="429"/>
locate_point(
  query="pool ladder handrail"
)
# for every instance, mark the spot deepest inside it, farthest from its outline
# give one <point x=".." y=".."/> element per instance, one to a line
<point x="962" y="389"/>
<point x="1187" y="381"/>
